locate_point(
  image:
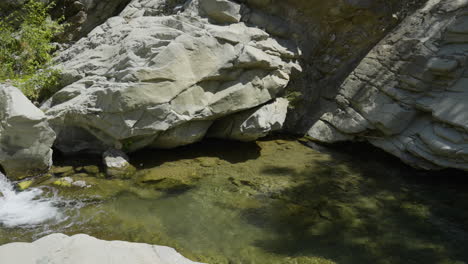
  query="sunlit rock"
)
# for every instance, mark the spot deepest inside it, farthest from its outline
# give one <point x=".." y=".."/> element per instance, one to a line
<point x="133" y="81"/>
<point x="25" y="135"/>
<point x="84" y="249"/>
<point x="253" y="124"/>
<point x="117" y="164"/>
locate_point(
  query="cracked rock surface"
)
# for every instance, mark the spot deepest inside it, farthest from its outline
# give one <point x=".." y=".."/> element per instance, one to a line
<point x="138" y="76"/>
<point x="409" y="95"/>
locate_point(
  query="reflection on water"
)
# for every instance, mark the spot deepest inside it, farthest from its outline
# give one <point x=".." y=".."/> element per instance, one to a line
<point x="278" y="201"/>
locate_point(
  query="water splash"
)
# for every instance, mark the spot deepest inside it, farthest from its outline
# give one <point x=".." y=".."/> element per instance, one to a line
<point x="26" y="208"/>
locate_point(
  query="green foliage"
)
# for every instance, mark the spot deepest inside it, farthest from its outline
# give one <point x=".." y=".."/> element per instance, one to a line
<point x="26" y="49"/>
<point x="39" y="85"/>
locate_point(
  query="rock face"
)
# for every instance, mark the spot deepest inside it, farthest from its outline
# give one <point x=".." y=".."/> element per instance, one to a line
<point x="139" y="80"/>
<point x="253" y="124"/>
<point x="25" y="136"/>
<point x="409" y="95"/>
<point x="84" y="15"/>
<point x="84" y="249"/>
<point x="333" y="35"/>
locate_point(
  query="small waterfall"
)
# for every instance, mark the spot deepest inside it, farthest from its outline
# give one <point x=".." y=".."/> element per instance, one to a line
<point x="26" y="208"/>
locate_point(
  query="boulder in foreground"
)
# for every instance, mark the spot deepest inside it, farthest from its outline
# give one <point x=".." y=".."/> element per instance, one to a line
<point x="84" y="249"/>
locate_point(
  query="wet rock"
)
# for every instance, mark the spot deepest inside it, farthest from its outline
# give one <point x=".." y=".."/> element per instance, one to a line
<point x="63" y="171"/>
<point x="34" y="181"/>
<point x="70" y="182"/>
<point x="25" y="135"/>
<point x="169" y="179"/>
<point x="84" y="249"/>
<point x="64" y="182"/>
<point x="81" y="184"/>
<point x="25" y="185"/>
<point x="117" y="164"/>
<point x="91" y="169"/>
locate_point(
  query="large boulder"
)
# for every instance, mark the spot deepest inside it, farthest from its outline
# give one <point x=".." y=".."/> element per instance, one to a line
<point x="25" y="136"/>
<point x="84" y="249"/>
<point x="409" y="95"/>
<point x="137" y="77"/>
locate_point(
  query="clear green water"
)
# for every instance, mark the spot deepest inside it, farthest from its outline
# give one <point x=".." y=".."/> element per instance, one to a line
<point x="274" y="201"/>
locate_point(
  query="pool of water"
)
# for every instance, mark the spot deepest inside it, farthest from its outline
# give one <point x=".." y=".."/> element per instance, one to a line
<point x="274" y="201"/>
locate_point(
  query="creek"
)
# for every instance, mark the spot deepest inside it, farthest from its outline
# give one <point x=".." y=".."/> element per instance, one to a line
<point x="273" y="201"/>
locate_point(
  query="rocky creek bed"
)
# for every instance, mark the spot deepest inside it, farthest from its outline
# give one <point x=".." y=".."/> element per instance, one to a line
<point x="272" y="201"/>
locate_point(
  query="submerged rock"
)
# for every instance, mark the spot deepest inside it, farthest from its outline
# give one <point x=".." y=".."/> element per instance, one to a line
<point x="169" y="178"/>
<point x="62" y="171"/>
<point x="25" y="135"/>
<point x="25" y="185"/>
<point x="141" y="80"/>
<point x="64" y="182"/>
<point x="84" y="249"/>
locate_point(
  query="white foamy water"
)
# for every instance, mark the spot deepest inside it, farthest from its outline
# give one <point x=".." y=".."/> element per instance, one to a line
<point x="26" y="208"/>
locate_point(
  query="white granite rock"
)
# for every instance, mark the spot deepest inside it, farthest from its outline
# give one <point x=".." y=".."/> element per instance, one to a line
<point x="253" y="124"/>
<point x="137" y="76"/>
<point x="25" y="135"/>
<point x="117" y="164"/>
<point x="84" y="249"/>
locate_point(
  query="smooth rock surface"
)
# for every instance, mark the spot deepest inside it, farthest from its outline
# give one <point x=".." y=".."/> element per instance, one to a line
<point x="25" y="136"/>
<point x="253" y="124"/>
<point x="222" y="11"/>
<point x="84" y="249"/>
<point x="138" y="76"/>
<point x="409" y="95"/>
<point x="117" y="164"/>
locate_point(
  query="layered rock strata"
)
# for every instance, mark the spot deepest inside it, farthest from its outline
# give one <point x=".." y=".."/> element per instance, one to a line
<point x="409" y="95"/>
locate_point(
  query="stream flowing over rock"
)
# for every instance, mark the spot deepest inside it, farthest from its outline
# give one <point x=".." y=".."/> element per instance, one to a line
<point x="137" y="77"/>
<point x="84" y="249"/>
<point x="409" y="95"/>
<point x="25" y="136"/>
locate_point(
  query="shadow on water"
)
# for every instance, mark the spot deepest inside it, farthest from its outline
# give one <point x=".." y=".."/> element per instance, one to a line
<point x="242" y="152"/>
<point x="355" y="212"/>
<point x="278" y="202"/>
